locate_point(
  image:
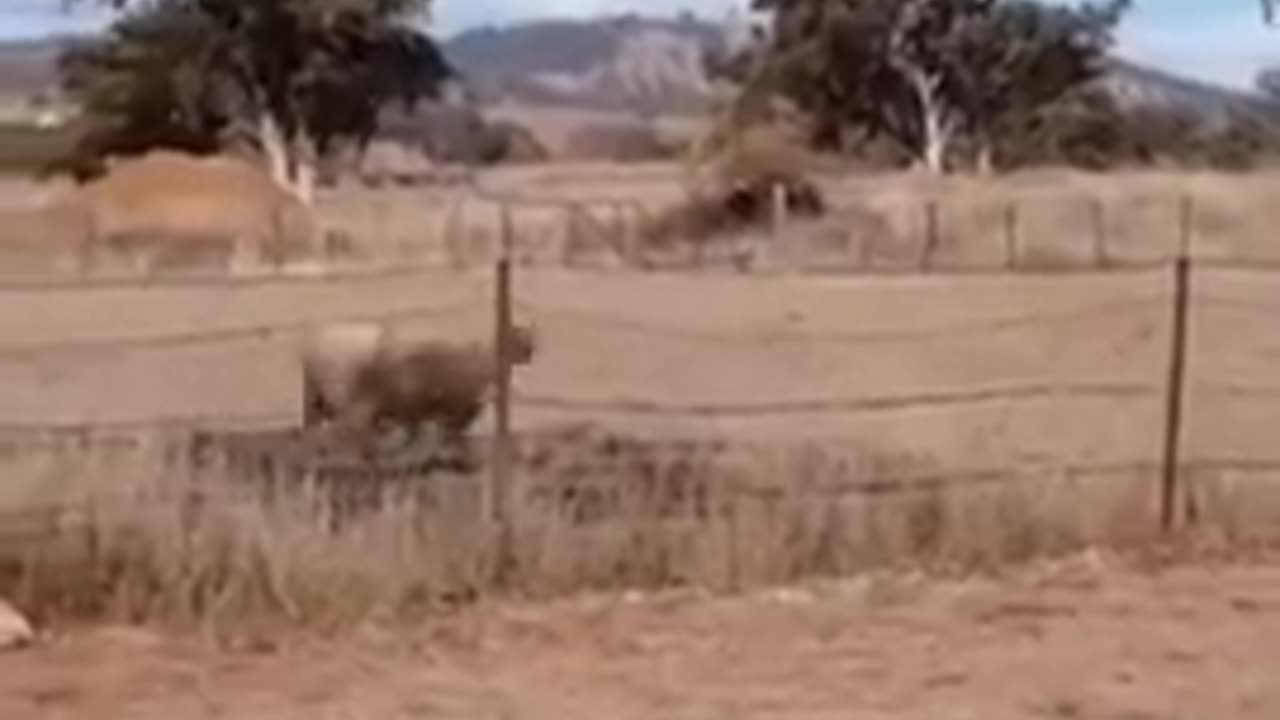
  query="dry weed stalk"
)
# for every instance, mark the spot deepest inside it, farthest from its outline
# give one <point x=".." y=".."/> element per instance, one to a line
<point x="155" y="539"/>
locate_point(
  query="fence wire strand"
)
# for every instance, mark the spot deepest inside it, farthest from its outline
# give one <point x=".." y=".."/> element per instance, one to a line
<point x="992" y="325"/>
<point x="26" y="351"/>
<point x="849" y="405"/>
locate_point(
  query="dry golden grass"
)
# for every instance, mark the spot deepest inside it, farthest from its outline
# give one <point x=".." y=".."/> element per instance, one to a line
<point x="1035" y="219"/>
<point x="615" y="340"/>
<point x="1092" y="636"/>
<point x="127" y="529"/>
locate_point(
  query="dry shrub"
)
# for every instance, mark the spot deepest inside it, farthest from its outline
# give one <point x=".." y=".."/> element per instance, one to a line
<point x="520" y="145"/>
<point x="732" y="190"/>
<point x="139" y="532"/>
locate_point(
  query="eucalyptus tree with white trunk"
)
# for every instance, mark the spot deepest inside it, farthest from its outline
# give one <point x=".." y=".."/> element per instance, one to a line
<point x="292" y="79"/>
<point x="926" y="73"/>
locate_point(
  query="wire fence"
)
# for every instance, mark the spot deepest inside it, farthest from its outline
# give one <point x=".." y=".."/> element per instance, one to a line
<point x="864" y="233"/>
<point x="965" y="235"/>
<point x="1159" y="392"/>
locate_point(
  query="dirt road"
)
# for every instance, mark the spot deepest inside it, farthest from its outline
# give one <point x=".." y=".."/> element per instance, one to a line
<point x="1084" y="638"/>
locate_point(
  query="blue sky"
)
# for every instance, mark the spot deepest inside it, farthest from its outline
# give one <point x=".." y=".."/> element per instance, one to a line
<point x="1217" y="40"/>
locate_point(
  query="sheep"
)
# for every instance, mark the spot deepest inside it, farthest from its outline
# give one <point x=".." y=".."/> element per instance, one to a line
<point x="363" y="375"/>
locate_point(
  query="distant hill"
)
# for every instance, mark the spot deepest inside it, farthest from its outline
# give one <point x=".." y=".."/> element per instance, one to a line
<point x="626" y="63"/>
<point x="1138" y="85"/>
<point x="28" y="67"/>
<point x="608" y="64"/>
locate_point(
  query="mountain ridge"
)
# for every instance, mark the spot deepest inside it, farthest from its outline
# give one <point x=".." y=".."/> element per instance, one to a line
<point x="632" y="64"/>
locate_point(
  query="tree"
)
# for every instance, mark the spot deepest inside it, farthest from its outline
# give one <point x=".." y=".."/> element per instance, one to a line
<point x="1267" y="83"/>
<point x="925" y="72"/>
<point x="1022" y="57"/>
<point x="290" y="78"/>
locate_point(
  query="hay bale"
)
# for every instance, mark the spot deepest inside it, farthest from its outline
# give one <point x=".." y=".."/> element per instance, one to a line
<point x="169" y="209"/>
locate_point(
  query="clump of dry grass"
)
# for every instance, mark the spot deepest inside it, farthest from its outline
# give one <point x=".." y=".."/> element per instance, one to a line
<point x="155" y="539"/>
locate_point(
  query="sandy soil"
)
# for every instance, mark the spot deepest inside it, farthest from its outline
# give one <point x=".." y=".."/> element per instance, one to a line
<point x="1083" y="638"/>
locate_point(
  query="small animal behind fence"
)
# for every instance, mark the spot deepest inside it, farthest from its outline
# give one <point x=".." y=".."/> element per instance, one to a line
<point x="363" y="377"/>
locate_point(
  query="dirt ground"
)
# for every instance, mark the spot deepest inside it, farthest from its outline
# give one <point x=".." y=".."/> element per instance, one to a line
<point x="1087" y="638"/>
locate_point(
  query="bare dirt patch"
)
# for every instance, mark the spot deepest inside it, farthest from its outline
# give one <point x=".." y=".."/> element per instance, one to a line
<point x="1082" y="638"/>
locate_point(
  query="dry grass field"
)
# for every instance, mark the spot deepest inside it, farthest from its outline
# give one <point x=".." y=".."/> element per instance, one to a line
<point x="1041" y="219"/>
<point x="946" y="420"/>
<point x="1090" y="638"/>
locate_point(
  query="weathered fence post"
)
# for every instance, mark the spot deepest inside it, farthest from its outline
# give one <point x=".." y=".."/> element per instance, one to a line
<point x="778" y="209"/>
<point x="1098" y="215"/>
<point x="931" y="234"/>
<point x="573" y="242"/>
<point x="497" y="509"/>
<point x="454" y="235"/>
<point x="1175" y="389"/>
<point x="631" y="220"/>
<point x="1011" y="235"/>
<point x="1186" y="225"/>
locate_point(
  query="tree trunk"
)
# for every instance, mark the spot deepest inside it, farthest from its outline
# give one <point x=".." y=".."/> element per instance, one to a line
<point x="304" y="174"/>
<point x="935" y="145"/>
<point x="936" y="124"/>
<point x="275" y="148"/>
<point x="937" y="134"/>
<point x="291" y="163"/>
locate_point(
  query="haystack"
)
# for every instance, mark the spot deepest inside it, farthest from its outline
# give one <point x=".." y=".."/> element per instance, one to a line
<point x="168" y="210"/>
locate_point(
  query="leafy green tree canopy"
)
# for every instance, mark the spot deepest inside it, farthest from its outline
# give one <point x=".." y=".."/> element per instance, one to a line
<point x="289" y="78"/>
<point x="925" y="73"/>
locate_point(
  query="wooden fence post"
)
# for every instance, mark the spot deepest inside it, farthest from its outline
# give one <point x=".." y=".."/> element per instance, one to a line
<point x="1011" y="235"/>
<point x="500" y="477"/>
<point x="455" y="235"/>
<point x="931" y="234"/>
<point x="1098" y="214"/>
<point x="778" y="209"/>
<point x="1175" y="389"/>
<point x="572" y="235"/>
<point x="1186" y="225"/>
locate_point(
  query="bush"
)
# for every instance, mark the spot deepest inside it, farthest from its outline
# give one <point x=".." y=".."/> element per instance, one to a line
<point x="451" y="134"/>
<point x="733" y="189"/>
<point x="1091" y="131"/>
<point x="518" y="143"/>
